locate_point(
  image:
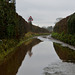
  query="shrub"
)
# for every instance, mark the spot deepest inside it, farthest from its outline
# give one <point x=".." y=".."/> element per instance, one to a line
<point x="67" y="38"/>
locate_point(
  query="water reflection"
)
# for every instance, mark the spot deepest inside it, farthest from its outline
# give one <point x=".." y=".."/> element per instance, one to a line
<point x="66" y="54"/>
<point x="43" y="54"/>
<point x="13" y="61"/>
<point x="30" y="53"/>
<point x="62" y="68"/>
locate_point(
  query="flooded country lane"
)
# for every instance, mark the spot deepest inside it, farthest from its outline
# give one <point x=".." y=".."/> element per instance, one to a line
<point x="42" y="56"/>
<point x="14" y="61"/>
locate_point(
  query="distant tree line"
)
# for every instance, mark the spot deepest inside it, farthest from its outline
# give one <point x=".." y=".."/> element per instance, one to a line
<point x="13" y="25"/>
<point x="49" y="28"/>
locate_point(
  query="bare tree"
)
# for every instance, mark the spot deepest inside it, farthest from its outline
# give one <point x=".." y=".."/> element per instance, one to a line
<point x="58" y="19"/>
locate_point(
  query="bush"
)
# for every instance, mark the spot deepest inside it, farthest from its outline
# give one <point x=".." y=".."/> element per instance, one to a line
<point x="71" y="24"/>
<point x="67" y="38"/>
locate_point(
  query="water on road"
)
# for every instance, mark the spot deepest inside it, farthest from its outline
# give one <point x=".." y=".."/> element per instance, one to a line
<point x="41" y="56"/>
<point x="45" y="61"/>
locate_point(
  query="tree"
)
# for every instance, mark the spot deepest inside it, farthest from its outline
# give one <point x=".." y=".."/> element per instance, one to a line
<point x="58" y="19"/>
<point x="71" y="24"/>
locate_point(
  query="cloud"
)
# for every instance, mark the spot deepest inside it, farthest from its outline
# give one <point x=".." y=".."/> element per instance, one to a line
<point x="45" y="12"/>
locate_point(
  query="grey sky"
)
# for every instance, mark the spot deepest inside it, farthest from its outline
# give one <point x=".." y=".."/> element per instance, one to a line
<point x="45" y="12"/>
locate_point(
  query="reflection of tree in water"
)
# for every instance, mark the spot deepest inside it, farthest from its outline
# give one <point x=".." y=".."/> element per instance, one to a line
<point x="13" y="61"/>
<point x="66" y="54"/>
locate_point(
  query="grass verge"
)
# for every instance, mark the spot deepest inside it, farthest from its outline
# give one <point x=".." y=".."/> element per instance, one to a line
<point x="67" y="38"/>
<point x="8" y="46"/>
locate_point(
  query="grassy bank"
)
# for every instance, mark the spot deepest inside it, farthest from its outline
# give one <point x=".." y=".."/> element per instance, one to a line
<point x="8" y="45"/>
<point x="67" y="38"/>
<point x="64" y="53"/>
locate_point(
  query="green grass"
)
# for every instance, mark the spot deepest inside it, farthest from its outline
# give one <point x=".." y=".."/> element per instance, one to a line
<point x="8" y="45"/>
<point x="67" y="38"/>
<point x="64" y="53"/>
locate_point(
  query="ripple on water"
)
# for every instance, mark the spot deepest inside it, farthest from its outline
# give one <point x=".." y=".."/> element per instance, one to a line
<point x="61" y="68"/>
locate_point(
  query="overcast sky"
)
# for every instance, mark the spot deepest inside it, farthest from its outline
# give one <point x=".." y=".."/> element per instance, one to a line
<point x="45" y="12"/>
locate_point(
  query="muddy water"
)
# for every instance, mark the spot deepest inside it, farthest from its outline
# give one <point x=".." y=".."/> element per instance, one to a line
<point x="40" y="58"/>
<point x="43" y="54"/>
<point x="13" y="61"/>
<point x="47" y="60"/>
